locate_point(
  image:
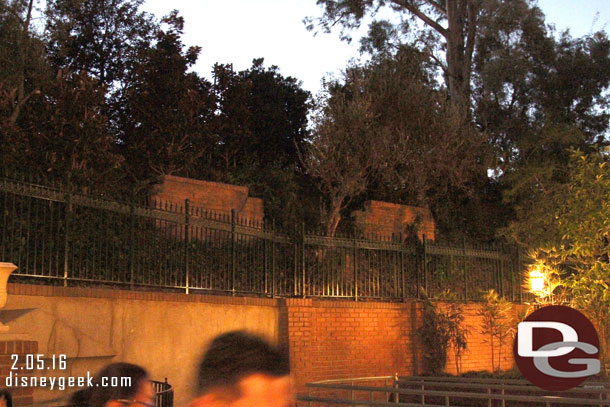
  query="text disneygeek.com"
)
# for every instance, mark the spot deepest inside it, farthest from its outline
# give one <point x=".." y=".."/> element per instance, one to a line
<point x="61" y="383"/>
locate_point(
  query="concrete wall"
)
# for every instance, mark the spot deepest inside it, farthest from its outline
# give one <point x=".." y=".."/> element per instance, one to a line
<point x="166" y="333"/>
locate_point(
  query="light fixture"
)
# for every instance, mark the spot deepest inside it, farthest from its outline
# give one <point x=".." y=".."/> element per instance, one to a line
<point x="537" y="281"/>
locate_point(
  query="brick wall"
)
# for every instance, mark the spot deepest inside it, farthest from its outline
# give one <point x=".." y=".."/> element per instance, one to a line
<point x="210" y="196"/>
<point x="21" y="395"/>
<point x="387" y="219"/>
<point x="331" y="340"/>
<point x="327" y="339"/>
<point x="478" y="354"/>
<point x="341" y="339"/>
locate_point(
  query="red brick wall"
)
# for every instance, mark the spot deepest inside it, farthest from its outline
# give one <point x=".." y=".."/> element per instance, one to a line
<point x="341" y="339"/>
<point x="478" y="354"/>
<point x="210" y="196"/>
<point x="331" y="340"/>
<point x="387" y="219"/>
<point x="21" y="395"/>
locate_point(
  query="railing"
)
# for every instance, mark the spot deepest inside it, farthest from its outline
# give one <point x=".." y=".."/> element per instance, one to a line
<point x="448" y="391"/>
<point x="164" y="393"/>
<point x="64" y="238"/>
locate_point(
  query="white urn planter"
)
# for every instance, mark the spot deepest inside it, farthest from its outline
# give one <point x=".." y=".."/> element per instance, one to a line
<point x="5" y="271"/>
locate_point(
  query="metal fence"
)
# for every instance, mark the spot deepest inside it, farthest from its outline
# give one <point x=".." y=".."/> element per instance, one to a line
<point x="164" y="393"/>
<point x="65" y="238"/>
<point x="394" y="391"/>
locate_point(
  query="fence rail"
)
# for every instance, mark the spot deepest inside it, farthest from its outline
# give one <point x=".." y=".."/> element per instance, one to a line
<point x="448" y="391"/>
<point x="65" y="238"/>
<point x="164" y="393"/>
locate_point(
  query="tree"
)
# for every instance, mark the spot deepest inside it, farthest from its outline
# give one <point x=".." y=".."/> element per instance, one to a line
<point x="496" y="322"/>
<point x="166" y="114"/>
<point x="434" y="338"/>
<point x="260" y="123"/>
<point x="23" y="65"/>
<point x="442" y="328"/>
<point x="65" y="135"/>
<point x="390" y="125"/>
<point x="582" y="214"/>
<point x="345" y="150"/>
<point x="451" y="27"/>
<point x="99" y="37"/>
<point x="536" y="94"/>
<point x="453" y="315"/>
<point x="262" y="115"/>
<point x="53" y="123"/>
<point x="533" y="93"/>
<point x="576" y="236"/>
<point x="536" y="97"/>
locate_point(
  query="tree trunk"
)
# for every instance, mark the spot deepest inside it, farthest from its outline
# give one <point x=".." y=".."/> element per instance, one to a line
<point x="334" y="216"/>
<point x="462" y="24"/>
<point x="22" y="98"/>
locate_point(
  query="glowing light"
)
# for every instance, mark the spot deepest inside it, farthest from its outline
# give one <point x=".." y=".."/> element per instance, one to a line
<point x="537" y="281"/>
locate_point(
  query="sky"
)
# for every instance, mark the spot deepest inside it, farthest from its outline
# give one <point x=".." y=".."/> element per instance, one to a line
<point x="237" y="31"/>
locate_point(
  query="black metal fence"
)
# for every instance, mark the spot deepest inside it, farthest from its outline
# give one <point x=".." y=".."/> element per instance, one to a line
<point x="65" y="238"/>
<point x="164" y="393"/>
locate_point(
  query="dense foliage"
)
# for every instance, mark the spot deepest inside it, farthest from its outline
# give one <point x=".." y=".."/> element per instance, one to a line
<point x="466" y="107"/>
<point x="530" y="92"/>
<point x="442" y="330"/>
<point x="573" y="236"/>
<point x="102" y="95"/>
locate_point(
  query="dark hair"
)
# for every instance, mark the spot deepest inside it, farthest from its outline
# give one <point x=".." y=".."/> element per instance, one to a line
<point x="234" y="355"/>
<point x="4" y="393"/>
<point x="98" y="395"/>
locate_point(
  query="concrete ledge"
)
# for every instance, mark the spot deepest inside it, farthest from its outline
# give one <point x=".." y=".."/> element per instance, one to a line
<point x="55" y="291"/>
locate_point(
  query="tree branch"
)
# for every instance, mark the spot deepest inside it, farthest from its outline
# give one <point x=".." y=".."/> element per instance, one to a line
<point x="430" y="22"/>
<point x="29" y="16"/>
<point x="438" y="7"/>
<point x="470" y="36"/>
<point x="11" y="11"/>
<point x="17" y="109"/>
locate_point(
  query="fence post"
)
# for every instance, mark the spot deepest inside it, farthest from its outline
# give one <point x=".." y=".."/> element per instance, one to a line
<point x="464" y="269"/>
<point x="265" y="258"/>
<point x="187" y="221"/>
<point x="303" y="258"/>
<point x="273" y="259"/>
<point x="425" y="255"/>
<point x="501" y="269"/>
<point x="233" y="259"/>
<point x="396" y="386"/>
<point x="356" y="269"/>
<point x="67" y="236"/>
<point x="296" y="262"/>
<point x="132" y="210"/>
<point x="513" y="272"/>
<point x="520" y="271"/>
<point x="402" y="269"/>
<point x="418" y="268"/>
<point x="489" y="402"/>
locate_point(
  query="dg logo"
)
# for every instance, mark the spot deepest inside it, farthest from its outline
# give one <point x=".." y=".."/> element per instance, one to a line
<point x="556" y="348"/>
